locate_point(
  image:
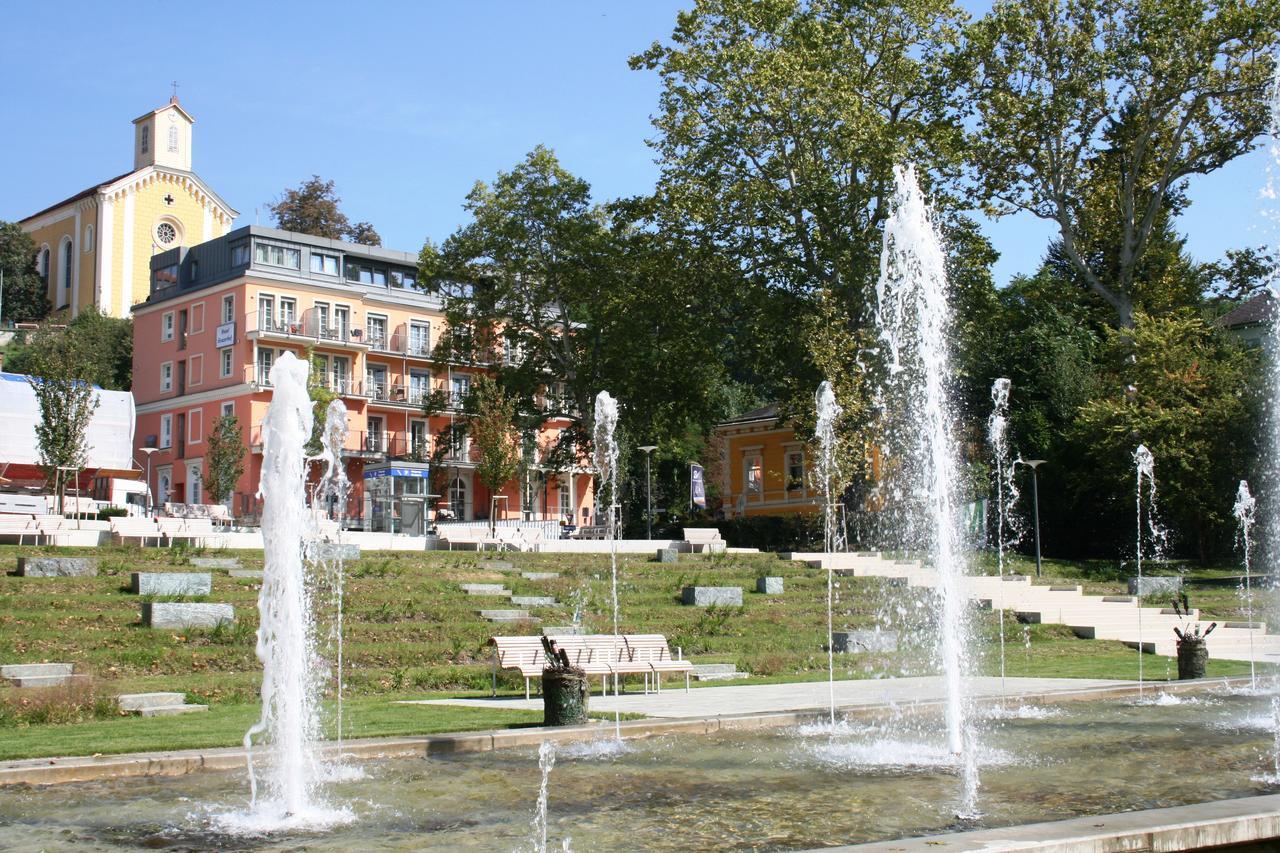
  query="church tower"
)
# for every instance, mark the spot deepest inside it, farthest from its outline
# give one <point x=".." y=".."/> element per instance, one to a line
<point x="95" y="247"/>
<point x="163" y="138"/>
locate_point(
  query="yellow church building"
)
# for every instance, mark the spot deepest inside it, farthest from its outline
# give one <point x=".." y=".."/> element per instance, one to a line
<point x="95" y="247"/>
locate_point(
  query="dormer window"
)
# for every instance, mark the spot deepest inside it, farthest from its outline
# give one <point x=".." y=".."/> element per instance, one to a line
<point x="146" y="139"/>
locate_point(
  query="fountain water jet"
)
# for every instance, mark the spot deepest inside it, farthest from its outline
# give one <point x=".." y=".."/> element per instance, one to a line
<point x="1144" y="464"/>
<point x="914" y="317"/>
<point x="332" y="490"/>
<point x="829" y="412"/>
<point x="1006" y="493"/>
<point x="286" y="643"/>
<point x="605" y="453"/>
<point x="1244" y="512"/>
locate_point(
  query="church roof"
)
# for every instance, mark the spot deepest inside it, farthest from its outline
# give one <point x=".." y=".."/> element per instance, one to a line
<point x="82" y="194"/>
<point x="173" y="102"/>
<point x="108" y="183"/>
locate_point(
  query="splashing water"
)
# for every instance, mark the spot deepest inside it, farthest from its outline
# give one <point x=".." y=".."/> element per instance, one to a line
<point x="286" y="641"/>
<point x="915" y="322"/>
<point x="332" y="491"/>
<point x="1006" y="494"/>
<point x="606" y="461"/>
<point x="829" y="412"/>
<point x="1243" y="510"/>
<point x="1149" y="528"/>
<point x="546" y="761"/>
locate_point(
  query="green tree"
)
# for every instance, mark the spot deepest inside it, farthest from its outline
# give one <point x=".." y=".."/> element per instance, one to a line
<point x="779" y="124"/>
<point x="66" y="401"/>
<point x="1092" y="115"/>
<point x="25" y="290"/>
<point x="224" y="458"/>
<point x="315" y="208"/>
<point x="491" y="422"/>
<point x="1186" y="391"/>
<point x="104" y="343"/>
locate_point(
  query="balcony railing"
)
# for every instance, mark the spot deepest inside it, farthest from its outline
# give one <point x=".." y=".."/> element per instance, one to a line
<point x="309" y="327"/>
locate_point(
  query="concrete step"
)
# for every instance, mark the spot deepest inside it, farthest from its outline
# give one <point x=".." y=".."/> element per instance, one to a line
<point x="506" y="615"/>
<point x="715" y="672"/>
<point x="172" y="710"/>
<point x="44" y="680"/>
<point x="144" y="701"/>
<point x="539" y="576"/>
<point x="28" y="670"/>
<point x="534" y="601"/>
<point x="486" y="589"/>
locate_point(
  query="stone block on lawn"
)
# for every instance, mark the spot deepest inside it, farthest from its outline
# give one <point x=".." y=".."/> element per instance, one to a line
<point x="706" y="596"/>
<point x="495" y="566"/>
<point x="172" y="614"/>
<point x="344" y="551"/>
<point x="864" y="641"/>
<point x="563" y="631"/>
<point x="1157" y="585"/>
<point x="539" y="576"/>
<point x="668" y="555"/>
<point x="215" y="562"/>
<point x="171" y="583"/>
<point x="769" y="586"/>
<point x="533" y="600"/>
<point x="246" y="573"/>
<point x="57" y="567"/>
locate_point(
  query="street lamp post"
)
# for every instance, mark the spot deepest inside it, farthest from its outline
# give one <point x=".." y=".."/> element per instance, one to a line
<point x="1033" y="464"/>
<point x="648" y="488"/>
<point x="149" y="451"/>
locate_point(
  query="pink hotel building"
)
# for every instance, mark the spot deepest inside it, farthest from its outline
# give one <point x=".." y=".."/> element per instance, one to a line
<point x="220" y="313"/>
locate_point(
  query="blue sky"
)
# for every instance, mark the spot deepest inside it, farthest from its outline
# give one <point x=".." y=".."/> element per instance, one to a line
<point x="404" y="105"/>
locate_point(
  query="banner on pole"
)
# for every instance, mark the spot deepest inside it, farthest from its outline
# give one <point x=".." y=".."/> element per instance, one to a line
<point x="697" y="488"/>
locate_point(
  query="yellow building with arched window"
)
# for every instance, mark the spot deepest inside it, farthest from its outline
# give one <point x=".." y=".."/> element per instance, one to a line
<point x="95" y="247"/>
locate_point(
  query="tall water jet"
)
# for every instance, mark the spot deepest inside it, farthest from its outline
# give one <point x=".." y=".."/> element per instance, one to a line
<point x="289" y="723"/>
<point x="829" y="412"/>
<point x="1149" y="528"/>
<point x="914" y="317"/>
<point x="1244" y="512"/>
<point x="605" y="455"/>
<point x="331" y="494"/>
<point x="1006" y="494"/>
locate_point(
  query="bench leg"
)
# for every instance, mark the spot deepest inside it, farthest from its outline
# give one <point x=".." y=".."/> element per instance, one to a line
<point x="686" y="681"/>
<point x="494" y="690"/>
<point x="526" y="687"/>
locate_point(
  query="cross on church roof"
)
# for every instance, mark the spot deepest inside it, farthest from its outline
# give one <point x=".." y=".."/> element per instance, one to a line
<point x="174" y="99"/>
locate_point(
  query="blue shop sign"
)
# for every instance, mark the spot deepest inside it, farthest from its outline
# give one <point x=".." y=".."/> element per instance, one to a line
<point x="418" y="473"/>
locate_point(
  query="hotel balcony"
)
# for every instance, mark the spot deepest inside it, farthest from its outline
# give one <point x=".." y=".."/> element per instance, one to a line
<point x="260" y="376"/>
<point x="309" y="329"/>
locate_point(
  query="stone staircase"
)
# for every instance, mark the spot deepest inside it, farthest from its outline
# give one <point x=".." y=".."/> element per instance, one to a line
<point x="157" y="704"/>
<point x="1102" y="617"/>
<point x="494" y="590"/>
<point x="37" y="674"/>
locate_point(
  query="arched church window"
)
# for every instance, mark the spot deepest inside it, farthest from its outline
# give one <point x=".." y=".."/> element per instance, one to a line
<point x="68" y="258"/>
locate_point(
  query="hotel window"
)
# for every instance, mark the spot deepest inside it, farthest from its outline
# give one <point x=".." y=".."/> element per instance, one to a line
<point x="226" y="359"/>
<point x="366" y="274"/>
<point x="322" y="319"/>
<point x="325" y="264"/>
<point x="419" y="338"/>
<point x="240" y="255"/>
<point x="266" y="313"/>
<point x="166" y="431"/>
<point x="403" y="278"/>
<point x="228" y="308"/>
<point x="376" y="330"/>
<point x="265" y="359"/>
<point x="341" y="321"/>
<point x="228" y="409"/>
<point x="288" y="313"/>
<point x="795" y="470"/>
<point x="278" y="256"/>
<point x="166" y="376"/>
<point x="166" y="327"/>
<point x="167" y="275"/>
<point x="566" y="507"/>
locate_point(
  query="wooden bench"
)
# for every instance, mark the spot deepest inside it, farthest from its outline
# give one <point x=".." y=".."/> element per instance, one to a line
<point x="605" y="655"/>
<point x="698" y="540"/>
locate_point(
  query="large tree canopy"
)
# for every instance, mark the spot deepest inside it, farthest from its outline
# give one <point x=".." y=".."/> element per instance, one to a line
<point x="24" y="289"/>
<point x="314" y="208"/>
<point x="1092" y="114"/>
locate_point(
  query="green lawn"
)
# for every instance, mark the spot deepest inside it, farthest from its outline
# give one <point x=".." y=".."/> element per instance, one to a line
<point x="410" y="630"/>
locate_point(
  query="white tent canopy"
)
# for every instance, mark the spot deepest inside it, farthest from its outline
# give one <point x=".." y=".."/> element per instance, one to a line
<point x="110" y="434"/>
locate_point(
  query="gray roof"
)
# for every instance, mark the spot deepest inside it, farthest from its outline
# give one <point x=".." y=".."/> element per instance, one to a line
<point x="1254" y="312"/>
<point x="764" y="413"/>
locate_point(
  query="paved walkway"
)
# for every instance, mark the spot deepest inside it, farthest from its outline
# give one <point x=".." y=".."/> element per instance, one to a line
<point x="674" y="702"/>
